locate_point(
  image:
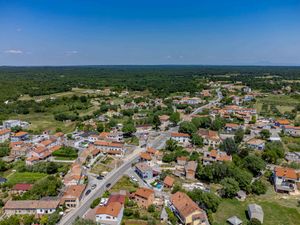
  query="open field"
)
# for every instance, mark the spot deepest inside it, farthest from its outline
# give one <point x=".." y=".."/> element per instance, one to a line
<point x="44" y="121"/>
<point x="279" y="100"/>
<point x="278" y="209"/>
<point x="26" y="177"/>
<point x="124" y="184"/>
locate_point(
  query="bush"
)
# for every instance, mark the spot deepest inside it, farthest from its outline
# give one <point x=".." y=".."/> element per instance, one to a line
<point x="258" y="187"/>
<point x="95" y="203"/>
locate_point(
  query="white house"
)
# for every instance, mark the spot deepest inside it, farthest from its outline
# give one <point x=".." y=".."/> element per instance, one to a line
<point x="4" y="135"/>
<point x="181" y="138"/>
<point x="110" y="214"/>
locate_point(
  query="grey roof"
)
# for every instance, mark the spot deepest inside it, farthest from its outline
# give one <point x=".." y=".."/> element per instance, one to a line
<point x="234" y="220"/>
<point x="255" y="211"/>
<point x="241" y="193"/>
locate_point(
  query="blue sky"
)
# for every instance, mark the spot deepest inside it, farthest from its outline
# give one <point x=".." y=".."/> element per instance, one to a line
<point x="101" y="32"/>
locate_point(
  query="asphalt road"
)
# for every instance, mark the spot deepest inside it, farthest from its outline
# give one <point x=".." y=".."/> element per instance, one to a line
<point x="111" y="179"/>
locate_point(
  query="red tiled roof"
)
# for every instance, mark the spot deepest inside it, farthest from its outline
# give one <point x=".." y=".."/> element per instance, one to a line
<point x="22" y="187"/>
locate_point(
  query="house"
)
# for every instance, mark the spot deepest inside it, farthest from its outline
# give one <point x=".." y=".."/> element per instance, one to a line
<point x="255" y="212"/>
<point x="282" y="122"/>
<point x="291" y="130"/>
<point x="33" y="207"/>
<point x="215" y="156"/>
<point x="169" y="182"/>
<point x="20" y="188"/>
<point x="110" y="214"/>
<point x="144" y="156"/>
<point x="74" y="176"/>
<point x="190" y="169"/>
<point x="19" y="136"/>
<point x="286" y="179"/>
<point x="210" y="138"/>
<point x="187" y="210"/>
<point x="144" y="170"/>
<point x="19" y="149"/>
<point x="31" y="161"/>
<point x="4" y="135"/>
<point x="164" y="121"/>
<point x="112" y="148"/>
<point x="181" y="138"/>
<point x="181" y="160"/>
<point x="241" y="195"/>
<point x="234" y="220"/>
<point x="232" y="127"/>
<point x="8" y="124"/>
<point x="151" y="151"/>
<point x="72" y="195"/>
<point x="257" y="144"/>
<point x="293" y="157"/>
<point x="144" y="197"/>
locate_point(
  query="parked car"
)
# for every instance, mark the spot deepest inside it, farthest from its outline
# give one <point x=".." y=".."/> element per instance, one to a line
<point x="94" y="186"/>
<point x="108" y="185"/>
<point x="88" y="191"/>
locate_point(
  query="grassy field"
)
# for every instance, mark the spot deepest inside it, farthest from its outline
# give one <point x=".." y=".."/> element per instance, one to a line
<point x="26" y="177"/>
<point x="278" y="209"/>
<point x="124" y="184"/>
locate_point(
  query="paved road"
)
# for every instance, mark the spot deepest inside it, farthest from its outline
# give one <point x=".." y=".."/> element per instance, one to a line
<point x="211" y="103"/>
<point x="111" y="179"/>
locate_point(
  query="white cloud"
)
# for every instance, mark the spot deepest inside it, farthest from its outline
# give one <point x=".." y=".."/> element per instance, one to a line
<point x="13" y="51"/>
<point x="73" y="52"/>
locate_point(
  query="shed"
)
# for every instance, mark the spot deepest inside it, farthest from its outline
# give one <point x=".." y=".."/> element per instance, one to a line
<point x="234" y="220"/>
<point x="255" y="211"/>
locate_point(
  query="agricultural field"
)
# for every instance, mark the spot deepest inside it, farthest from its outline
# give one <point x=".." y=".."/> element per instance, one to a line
<point x="282" y="102"/>
<point x="278" y="209"/>
<point x="24" y="177"/>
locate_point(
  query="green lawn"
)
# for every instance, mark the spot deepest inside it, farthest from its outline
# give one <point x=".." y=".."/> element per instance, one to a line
<point x="26" y="177"/>
<point x="124" y="184"/>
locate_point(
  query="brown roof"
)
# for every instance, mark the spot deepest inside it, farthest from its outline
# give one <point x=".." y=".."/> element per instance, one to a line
<point x="22" y="187"/>
<point x="144" y="192"/>
<point x="108" y="144"/>
<point x="74" y="191"/>
<point x="112" y="209"/>
<point x="21" y="133"/>
<point x="286" y="172"/>
<point x="5" y="131"/>
<point x="255" y="141"/>
<point x="151" y="150"/>
<point x="46" y="142"/>
<point x="59" y="134"/>
<point x="232" y="125"/>
<point x="283" y="121"/>
<point x="146" y="156"/>
<point x="179" y="135"/>
<point x="184" y="205"/>
<point x="169" y="181"/>
<point x="31" y="204"/>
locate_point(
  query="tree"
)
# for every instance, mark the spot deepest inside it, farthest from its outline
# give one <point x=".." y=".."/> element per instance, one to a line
<point x="187" y="127"/>
<point x="217" y="124"/>
<point x="95" y="203"/>
<point x="151" y="208"/>
<point x="254" y="164"/>
<point x="239" y="136"/>
<point x="230" y="187"/>
<point x="169" y="157"/>
<point x="175" y="117"/>
<point x="194" y="156"/>
<point x="273" y="151"/>
<point x="197" y="140"/>
<point x="229" y="146"/>
<point x="156" y="122"/>
<point x="265" y="134"/>
<point x="129" y="128"/>
<point x="207" y="200"/>
<point x="3" y="165"/>
<point x="201" y="122"/>
<point x="100" y="127"/>
<point x="258" y="187"/>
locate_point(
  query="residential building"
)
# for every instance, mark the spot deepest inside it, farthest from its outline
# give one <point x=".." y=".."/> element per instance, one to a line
<point x="187" y="210"/>
<point x="110" y="214"/>
<point x="232" y="127"/>
<point x="210" y="138"/>
<point x="112" y="148"/>
<point x="286" y="179"/>
<point x="293" y="157"/>
<point x="169" y="182"/>
<point x="190" y="169"/>
<point x="144" y="170"/>
<point x="144" y="197"/>
<point x="34" y="207"/>
<point x="182" y="138"/>
<point x="181" y="160"/>
<point x="72" y="195"/>
<point x="215" y="156"/>
<point x="257" y="144"/>
<point x="255" y="212"/>
<point x="4" y="135"/>
<point x="19" y="136"/>
<point x="282" y="122"/>
<point x="8" y="124"/>
<point x="144" y="156"/>
<point x="74" y="176"/>
<point x="291" y="130"/>
<point x="20" y="188"/>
